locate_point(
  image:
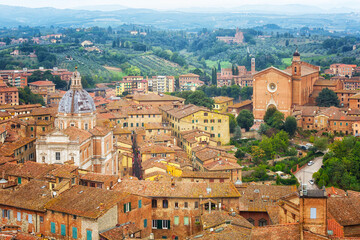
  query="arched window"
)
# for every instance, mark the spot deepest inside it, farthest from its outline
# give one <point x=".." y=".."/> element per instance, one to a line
<point x="262" y="222"/>
<point x="295" y="70"/>
<point x="86" y="126"/>
<point x="43" y="159"/>
<point x="250" y="220"/>
<point x="165" y="203"/>
<point x="154" y="203"/>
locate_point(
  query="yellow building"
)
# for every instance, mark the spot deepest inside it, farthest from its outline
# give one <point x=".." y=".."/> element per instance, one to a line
<point x="124" y="86"/>
<point x="195" y="138"/>
<point x="188" y="117"/>
<point x="222" y="103"/>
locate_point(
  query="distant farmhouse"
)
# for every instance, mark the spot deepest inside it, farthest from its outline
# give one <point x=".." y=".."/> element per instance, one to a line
<point x="239" y="38"/>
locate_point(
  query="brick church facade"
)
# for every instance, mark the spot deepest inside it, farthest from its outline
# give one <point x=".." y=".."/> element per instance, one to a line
<point x="284" y="89"/>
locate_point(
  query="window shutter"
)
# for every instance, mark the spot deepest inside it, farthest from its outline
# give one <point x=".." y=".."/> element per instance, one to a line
<point x="129" y="206"/>
<point x="63" y="230"/>
<point x="52" y="227"/>
<point x="88" y="235"/>
<point x="124" y="208"/>
<point x="159" y="224"/>
<point x="74" y="230"/>
<point x="8" y="214"/>
<point x="145" y="223"/>
<point x="168" y="224"/>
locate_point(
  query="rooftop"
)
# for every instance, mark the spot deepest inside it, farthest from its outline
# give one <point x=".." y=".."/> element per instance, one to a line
<point x="180" y="190"/>
<point x="86" y="202"/>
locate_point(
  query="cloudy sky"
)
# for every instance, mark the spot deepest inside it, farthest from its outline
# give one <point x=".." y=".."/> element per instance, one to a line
<point x="174" y="4"/>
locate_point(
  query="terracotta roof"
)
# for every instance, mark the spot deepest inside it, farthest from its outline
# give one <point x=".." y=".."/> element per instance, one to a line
<point x="180" y="190"/>
<point x="289" y="231"/>
<point x="119" y="233"/>
<point x="152" y="148"/>
<point x="222" y="99"/>
<point x="208" y="153"/>
<point x="221" y="165"/>
<point x="75" y="134"/>
<point x="205" y="175"/>
<point x="241" y="104"/>
<point x="155" y="97"/>
<point x="42" y="83"/>
<point x="32" y="196"/>
<point x="189" y="75"/>
<point x="84" y="201"/>
<point x="325" y="82"/>
<point x="28" y="169"/>
<point x="342" y="209"/>
<point x="356" y="96"/>
<point x="273" y="212"/>
<point x="185" y="110"/>
<point x="62" y="171"/>
<point x="258" y="197"/>
<point x="216" y="218"/>
<point x="99" y="131"/>
<point x="224" y="232"/>
<point x="97" y="177"/>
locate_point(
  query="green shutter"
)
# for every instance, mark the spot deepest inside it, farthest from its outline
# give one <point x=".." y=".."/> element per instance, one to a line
<point x="52" y="225"/>
<point x="168" y="224"/>
<point x="63" y="230"/>
<point x="19" y="180"/>
<point x="129" y="206"/>
<point x="139" y="203"/>
<point x="74" y="232"/>
<point x="159" y="224"/>
<point x="124" y="208"/>
<point x="145" y="223"/>
<point x="88" y="235"/>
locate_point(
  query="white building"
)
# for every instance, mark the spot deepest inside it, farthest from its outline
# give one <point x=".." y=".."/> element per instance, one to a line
<point x="76" y="137"/>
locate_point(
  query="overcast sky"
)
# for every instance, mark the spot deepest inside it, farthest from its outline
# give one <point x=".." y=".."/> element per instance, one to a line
<point x="173" y="4"/>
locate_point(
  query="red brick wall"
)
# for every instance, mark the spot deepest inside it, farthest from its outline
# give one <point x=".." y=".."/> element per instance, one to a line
<point x="58" y="219"/>
<point x="256" y="216"/>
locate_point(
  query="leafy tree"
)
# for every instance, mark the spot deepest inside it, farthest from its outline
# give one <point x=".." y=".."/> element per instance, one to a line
<point x="237" y="133"/>
<point x="246" y="93"/>
<point x="257" y="154"/>
<point x="321" y="144"/>
<point x="239" y="153"/>
<point x="290" y="125"/>
<point x="263" y="129"/>
<point x="213" y="76"/>
<point x="268" y="114"/>
<point x="198" y="98"/>
<point x="232" y="122"/>
<point x="277" y="120"/>
<point x="245" y="119"/>
<point x="327" y="98"/>
<point x="27" y="97"/>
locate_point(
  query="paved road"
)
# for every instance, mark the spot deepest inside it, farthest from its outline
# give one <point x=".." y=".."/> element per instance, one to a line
<point x="305" y="174"/>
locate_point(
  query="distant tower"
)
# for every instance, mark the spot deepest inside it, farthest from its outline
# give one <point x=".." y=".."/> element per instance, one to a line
<point x="296" y="65"/>
<point x="252" y="66"/>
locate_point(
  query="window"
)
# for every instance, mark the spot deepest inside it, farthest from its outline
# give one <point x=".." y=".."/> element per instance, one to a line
<point x="6" y="213"/>
<point x="165" y="224"/>
<point x="197" y="219"/>
<point x="176" y="205"/>
<point x="52" y="227"/>
<point x="206" y="121"/>
<point x="88" y="235"/>
<point x="74" y="217"/>
<point x="196" y="205"/>
<point x="139" y="203"/>
<point x="165" y="203"/>
<point x="250" y="220"/>
<point x="19" y="180"/>
<point x="262" y="222"/>
<point x="186" y="221"/>
<point x="57" y="155"/>
<point x="186" y="205"/>
<point x="74" y="232"/>
<point x="30" y="218"/>
<point x="176" y="220"/>
<point x="154" y="203"/>
<point x="86" y="126"/>
<point x="18" y="216"/>
<point x="312" y="213"/>
<point x="127" y="207"/>
<point x="145" y="223"/>
<point x="212" y="128"/>
<point x="219" y="135"/>
<point x="41" y="219"/>
<point x="32" y="128"/>
<point x="63" y="230"/>
<point x="205" y="114"/>
<point x="219" y="120"/>
<point x="154" y="224"/>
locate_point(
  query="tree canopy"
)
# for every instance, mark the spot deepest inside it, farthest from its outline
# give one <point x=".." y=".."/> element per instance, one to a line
<point x="245" y="119"/>
<point x="341" y="166"/>
<point x="27" y="97"/>
<point x="290" y="125"/>
<point x="327" y="98"/>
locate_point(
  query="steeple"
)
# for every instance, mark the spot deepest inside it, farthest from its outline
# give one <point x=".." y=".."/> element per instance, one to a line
<point x="76" y="80"/>
<point x="296" y="64"/>
<point x="296" y="55"/>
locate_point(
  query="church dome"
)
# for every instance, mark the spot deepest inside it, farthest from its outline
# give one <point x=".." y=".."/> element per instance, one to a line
<point x="76" y="100"/>
<point x="296" y="53"/>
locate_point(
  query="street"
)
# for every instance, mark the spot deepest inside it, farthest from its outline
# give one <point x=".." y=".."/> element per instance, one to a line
<point x="305" y="174"/>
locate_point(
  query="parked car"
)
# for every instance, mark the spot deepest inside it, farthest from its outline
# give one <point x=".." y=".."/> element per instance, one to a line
<point x="311" y="182"/>
<point x="310" y="163"/>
